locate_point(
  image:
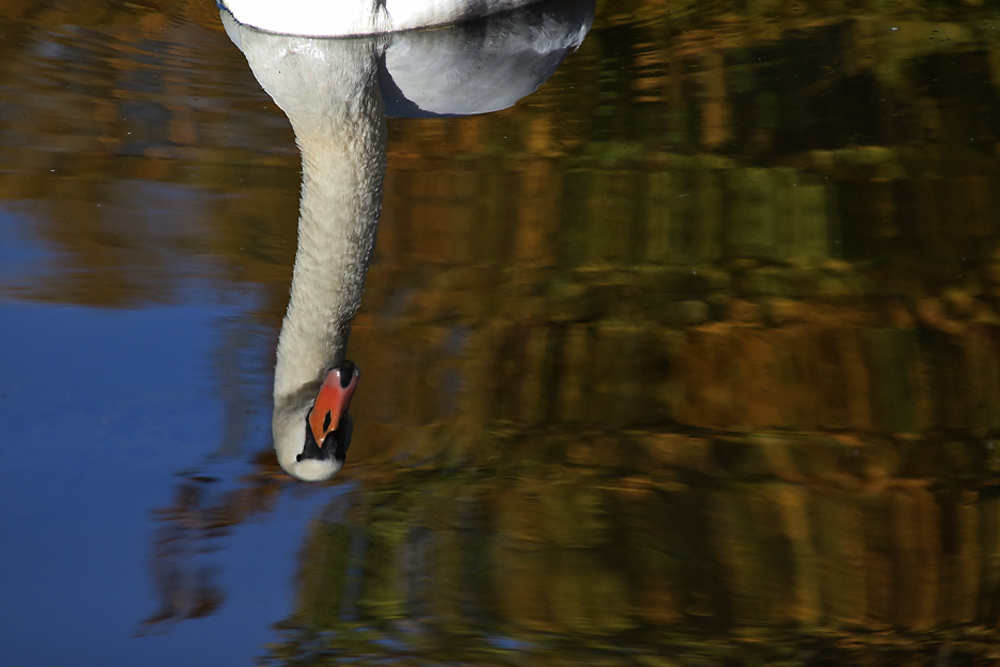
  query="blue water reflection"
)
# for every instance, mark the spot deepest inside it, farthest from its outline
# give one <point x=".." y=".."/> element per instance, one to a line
<point x="100" y="410"/>
<point x="21" y="261"/>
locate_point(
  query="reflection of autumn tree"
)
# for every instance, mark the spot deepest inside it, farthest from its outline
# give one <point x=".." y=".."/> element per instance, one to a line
<point x="186" y="590"/>
<point x="185" y="582"/>
<point x="783" y="135"/>
<point x="709" y="351"/>
<point x="640" y="539"/>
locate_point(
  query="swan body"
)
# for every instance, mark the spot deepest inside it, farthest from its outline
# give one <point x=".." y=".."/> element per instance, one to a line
<point x="346" y="18"/>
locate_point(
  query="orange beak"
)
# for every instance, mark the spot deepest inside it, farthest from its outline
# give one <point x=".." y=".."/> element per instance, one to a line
<point x="333" y="400"/>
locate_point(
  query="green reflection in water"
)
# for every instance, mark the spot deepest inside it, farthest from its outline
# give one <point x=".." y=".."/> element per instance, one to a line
<point x="631" y="548"/>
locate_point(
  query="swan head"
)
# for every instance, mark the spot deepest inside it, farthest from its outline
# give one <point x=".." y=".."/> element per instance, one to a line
<point x="313" y="431"/>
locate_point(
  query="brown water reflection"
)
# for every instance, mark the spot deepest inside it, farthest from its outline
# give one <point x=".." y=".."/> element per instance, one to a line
<point x="693" y="358"/>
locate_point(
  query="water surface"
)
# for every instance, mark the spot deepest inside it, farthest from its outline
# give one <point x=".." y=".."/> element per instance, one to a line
<point x="692" y="357"/>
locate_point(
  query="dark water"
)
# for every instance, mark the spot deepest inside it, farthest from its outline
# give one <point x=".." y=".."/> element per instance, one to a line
<point x="691" y="358"/>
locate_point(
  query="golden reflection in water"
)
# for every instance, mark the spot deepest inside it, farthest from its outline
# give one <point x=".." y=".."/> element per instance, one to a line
<point x="698" y="361"/>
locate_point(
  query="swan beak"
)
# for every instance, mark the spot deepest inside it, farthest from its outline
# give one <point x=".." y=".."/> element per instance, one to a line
<point x="333" y="400"/>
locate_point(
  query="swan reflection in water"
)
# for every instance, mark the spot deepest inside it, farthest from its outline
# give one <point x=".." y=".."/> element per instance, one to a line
<point x="337" y="93"/>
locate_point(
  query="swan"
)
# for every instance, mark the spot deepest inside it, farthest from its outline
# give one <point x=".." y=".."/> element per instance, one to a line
<point x="333" y="93"/>
<point x="347" y="18"/>
<point x="329" y="91"/>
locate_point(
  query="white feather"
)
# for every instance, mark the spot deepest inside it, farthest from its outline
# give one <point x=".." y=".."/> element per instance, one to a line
<point x="343" y="18"/>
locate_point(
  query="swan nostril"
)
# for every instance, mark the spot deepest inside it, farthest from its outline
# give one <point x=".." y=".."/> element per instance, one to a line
<point x="326" y="421"/>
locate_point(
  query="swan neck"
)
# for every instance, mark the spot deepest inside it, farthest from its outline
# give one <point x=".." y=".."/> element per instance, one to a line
<point x="343" y="164"/>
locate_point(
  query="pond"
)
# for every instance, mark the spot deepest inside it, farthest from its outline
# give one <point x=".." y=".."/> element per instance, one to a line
<point x="689" y="357"/>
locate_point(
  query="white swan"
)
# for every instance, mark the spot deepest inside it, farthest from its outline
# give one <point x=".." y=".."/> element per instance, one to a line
<point x="329" y="92"/>
<point x="329" y="89"/>
<point x="344" y="18"/>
